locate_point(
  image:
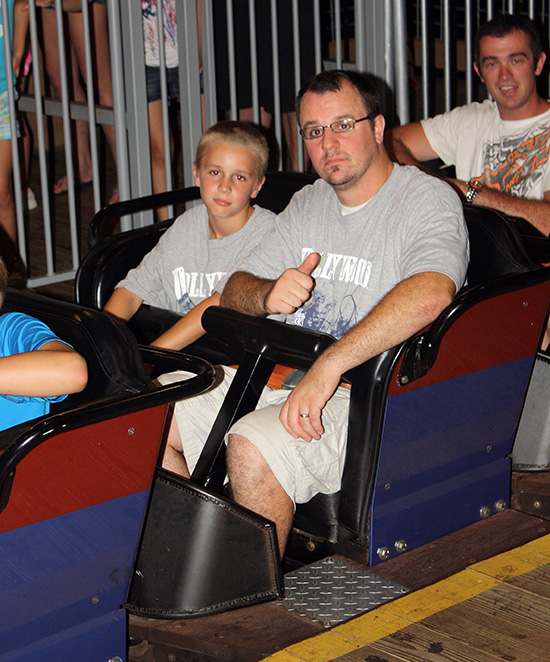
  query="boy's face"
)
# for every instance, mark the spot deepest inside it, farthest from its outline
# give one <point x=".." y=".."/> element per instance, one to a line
<point x="227" y="180"/>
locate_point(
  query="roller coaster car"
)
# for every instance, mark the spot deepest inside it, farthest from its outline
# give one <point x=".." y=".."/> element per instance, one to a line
<point x="431" y="426"/>
<point x="74" y="487"/>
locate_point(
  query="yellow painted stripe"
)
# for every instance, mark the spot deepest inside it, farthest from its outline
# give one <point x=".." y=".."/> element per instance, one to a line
<point x="414" y="607"/>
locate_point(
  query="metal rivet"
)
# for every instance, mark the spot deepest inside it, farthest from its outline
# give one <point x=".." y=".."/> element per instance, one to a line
<point x="171" y="657"/>
<point x="383" y="553"/>
<point x="401" y="546"/>
<point x="525" y="304"/>
<point x="403" y="380"/>
<point x="95" y="599"/>
<point x="501" y="505"/>
<point x="310" y="546"/>
<point x="131" y="430"/>
<point x="485" y="512"/>
<point x="537" y="504"/>
<point x="116" y="659"/>
<point x="489" y="449"/>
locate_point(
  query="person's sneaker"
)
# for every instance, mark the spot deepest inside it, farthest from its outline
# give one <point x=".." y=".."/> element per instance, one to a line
<point x="31" y="200"/>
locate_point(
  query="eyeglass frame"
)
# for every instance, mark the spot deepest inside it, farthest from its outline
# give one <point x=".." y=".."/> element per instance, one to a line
<point x="370" y="116"/>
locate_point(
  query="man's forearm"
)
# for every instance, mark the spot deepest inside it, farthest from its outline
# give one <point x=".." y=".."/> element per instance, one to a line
<point x="409" y="307"/>
<point x="246" y="293"/>
<point x="536" y="212"/>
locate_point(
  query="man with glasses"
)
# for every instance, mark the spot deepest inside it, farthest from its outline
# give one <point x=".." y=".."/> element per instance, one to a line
<point x="371" y="253"/>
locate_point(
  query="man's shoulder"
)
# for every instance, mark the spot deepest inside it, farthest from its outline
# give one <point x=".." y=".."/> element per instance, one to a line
<point x="435" y="190"/>
<point x="469" y="112"/>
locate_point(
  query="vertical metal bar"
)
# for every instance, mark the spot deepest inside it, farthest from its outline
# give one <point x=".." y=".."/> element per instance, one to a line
<point x="189" y="79"/>
<point x="468" y="46"/>
<point x="16" y="168"/>
<point x="164" y="95"/>
<point x="447" y="53"/>
<point x="119" y="105"/>
<point x="91" y="104"/>
<point x="401" y="59"/>
<point x="389" y="47"/>
<point x="360" y="36"/>
<point x="234" y="111"/>
<point x="297" y="73"/>
<point x="208" y="62"/>
<point x="164" y="104"/>
<point x="39" y="105"/>
<point x="317" y="30"/>
<point x="276" y="91"/>
<point x="253" y="61"/>
<point x="133" y="125"/>
<point x="338" y="33"/>
<point x="425" y="62"/>
<point x="67" y="131"/>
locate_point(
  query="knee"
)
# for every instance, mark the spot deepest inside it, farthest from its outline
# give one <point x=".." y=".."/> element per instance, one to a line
<point x="243" y="458"/>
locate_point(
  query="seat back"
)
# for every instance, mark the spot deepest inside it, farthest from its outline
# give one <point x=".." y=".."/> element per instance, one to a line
<point x="110" y="350"/>
<point x="496" y="247"/>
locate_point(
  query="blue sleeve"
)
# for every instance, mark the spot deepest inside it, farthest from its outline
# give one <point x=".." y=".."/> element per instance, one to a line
<point x="21" y="333"/>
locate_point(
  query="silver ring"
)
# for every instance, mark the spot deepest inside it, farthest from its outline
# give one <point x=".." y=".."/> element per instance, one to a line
<point x="304" y="415"/>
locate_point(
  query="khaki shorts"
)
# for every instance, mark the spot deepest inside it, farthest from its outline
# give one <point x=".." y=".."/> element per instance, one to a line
<point x="303" y="468"/>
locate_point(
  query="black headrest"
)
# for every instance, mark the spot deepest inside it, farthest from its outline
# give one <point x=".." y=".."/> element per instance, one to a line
<point x="496" y="247"/>
<point x="110" y="349"/>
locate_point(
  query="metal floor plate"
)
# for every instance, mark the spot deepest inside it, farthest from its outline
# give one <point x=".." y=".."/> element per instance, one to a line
<point x="331" y="591"/>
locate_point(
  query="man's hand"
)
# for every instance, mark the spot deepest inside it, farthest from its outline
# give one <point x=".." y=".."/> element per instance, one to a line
<point x="292" y="288"/>
<point x="309" y="397"/>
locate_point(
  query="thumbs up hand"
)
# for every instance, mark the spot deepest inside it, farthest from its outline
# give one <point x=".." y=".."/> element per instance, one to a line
<point x="292" y="288"/>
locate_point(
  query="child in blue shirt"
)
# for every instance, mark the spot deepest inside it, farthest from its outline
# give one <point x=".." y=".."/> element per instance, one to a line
<point x="36" y="367"/>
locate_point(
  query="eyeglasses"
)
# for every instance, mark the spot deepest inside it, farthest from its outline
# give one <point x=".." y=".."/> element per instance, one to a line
<point x="340" y="126"/>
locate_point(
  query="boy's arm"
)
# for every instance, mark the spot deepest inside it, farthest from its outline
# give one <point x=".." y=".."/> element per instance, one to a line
<point x="53" y="369"/>
<point x="20" y="27"/>
<point x="122" y="304"/>
<point x="188" y="328"/>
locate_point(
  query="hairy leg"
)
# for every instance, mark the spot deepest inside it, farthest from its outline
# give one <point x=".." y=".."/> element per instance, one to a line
<point x="254" y="486"/>
<point x="173" y="459"/>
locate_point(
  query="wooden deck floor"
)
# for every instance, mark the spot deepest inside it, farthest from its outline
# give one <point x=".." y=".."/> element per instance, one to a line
<point x="480" y="594"/>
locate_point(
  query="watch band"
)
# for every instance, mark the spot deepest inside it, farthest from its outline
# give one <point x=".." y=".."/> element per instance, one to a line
<point x="474" y="186"/>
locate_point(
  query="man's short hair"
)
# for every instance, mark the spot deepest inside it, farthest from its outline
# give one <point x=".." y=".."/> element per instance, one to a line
<point x="240" y="134"/>
<point x="3" y="282"/>
<point x="501" y="26"/>
<point x="332" y="81"/>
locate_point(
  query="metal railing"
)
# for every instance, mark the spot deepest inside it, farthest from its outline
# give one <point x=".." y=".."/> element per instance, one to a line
<point x="421" y="50"/>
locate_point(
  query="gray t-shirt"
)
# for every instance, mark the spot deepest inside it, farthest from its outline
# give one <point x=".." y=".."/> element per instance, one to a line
<point x="186" y="265"/>
<point x="413" y="224"/>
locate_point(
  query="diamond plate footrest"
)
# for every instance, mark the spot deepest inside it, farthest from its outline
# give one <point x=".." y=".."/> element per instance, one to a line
<point x="331" y="591"/>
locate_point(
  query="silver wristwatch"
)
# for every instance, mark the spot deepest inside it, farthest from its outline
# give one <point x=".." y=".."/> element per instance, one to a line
<point x="474" y="187"/>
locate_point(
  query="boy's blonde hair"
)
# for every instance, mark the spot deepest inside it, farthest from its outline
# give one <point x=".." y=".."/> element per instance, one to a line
<point x="3" y="282"/>
<point x="241" y="134"/>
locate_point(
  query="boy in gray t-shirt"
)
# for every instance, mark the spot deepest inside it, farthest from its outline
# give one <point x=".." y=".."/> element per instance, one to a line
<point x="207" y="242"/>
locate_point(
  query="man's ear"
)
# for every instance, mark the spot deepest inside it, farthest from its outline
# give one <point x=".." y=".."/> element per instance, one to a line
<point x="540" y="64"/>
<point x="379" y="125"/>
<point x="258" y="187"/>
<point x="476" y="68"/>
